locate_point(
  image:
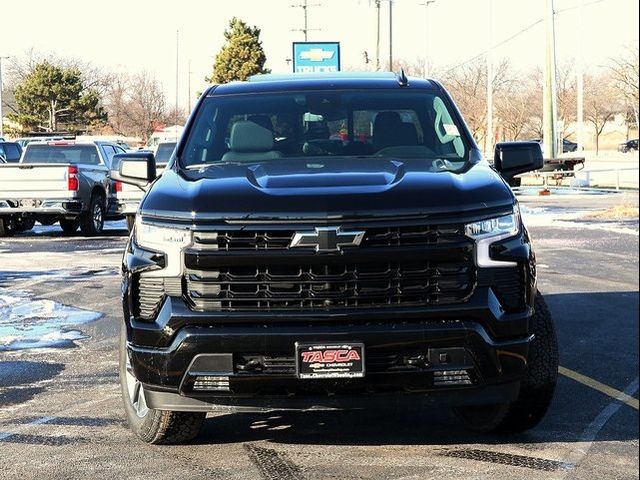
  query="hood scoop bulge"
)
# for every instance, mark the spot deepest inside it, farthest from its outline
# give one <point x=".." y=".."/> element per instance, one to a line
<point x="345" y="173"/>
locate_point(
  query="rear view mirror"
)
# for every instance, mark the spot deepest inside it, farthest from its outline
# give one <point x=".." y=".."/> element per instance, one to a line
<point x="138" y="168"/>
<point x="514" y="158"/>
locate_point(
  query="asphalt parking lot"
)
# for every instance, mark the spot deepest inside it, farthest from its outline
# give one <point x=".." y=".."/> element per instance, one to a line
<point x="61" y="415"/>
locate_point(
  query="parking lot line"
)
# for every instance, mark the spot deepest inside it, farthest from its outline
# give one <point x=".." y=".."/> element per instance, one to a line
<point x="600" y="387"/>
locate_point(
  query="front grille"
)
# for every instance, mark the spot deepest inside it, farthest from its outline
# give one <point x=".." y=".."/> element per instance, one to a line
<point x="376" y="237"/>
<point x="331" y="285"/>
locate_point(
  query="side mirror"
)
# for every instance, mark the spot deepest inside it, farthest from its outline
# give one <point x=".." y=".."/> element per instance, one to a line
<point x="137" y="168"/>
<point x="514" y="158"/>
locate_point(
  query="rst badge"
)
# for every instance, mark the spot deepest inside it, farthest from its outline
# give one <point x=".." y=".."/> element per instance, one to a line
<point x="330" y="361"/>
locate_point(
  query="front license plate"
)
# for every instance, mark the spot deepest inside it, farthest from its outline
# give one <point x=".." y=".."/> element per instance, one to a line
<point x="344" y="360"/>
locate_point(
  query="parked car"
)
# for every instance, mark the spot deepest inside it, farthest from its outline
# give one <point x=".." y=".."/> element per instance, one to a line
<point x="24" y="141"/>
<point x="293" y="268"/>
<point x="60" y="181"/>
<point x="10" y="152"/>
<point x="567" y="145"/>
<point x="129" y="196"/>
<point x="629" y="146"/>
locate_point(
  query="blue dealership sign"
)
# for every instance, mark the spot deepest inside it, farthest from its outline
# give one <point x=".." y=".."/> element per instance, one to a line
<point x="313" y="57"/>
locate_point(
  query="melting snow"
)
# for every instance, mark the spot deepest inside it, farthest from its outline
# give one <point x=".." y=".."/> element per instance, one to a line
<point x="28" y="323"/>
<point x="567" y="218"/>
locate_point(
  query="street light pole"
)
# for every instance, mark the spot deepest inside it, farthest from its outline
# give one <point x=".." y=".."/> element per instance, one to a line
<point x="488" y="143"/>
<point x="175" y="118"/>
<point x="426" y="40"/>
<point x="550" y="112"/>
<point x="580" y="80"/>
<point x="1" y="114"/>
<point x="391" y="35"/>
<point x="378" y="35"/>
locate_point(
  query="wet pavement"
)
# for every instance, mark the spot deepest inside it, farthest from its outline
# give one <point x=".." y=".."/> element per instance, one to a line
<point x="61" y="414"/>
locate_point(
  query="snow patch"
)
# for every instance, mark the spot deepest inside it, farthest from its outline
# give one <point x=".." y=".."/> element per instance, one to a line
<point x="29" y="323"/>
<point x="566" y="218"/>
<point x="55" y="228"/>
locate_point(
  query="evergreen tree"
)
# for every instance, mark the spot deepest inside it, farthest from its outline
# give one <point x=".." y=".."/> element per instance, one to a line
<point x="241" y="56"/>
<point x="51" y="95"/>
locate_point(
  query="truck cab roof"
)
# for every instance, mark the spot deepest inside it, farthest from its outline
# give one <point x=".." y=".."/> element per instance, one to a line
<point x="315" y="81"/>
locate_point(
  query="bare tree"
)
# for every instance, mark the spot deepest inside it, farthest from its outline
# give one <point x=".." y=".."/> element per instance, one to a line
<point x="468" y="85"/>
<point x="135" y="105"/>
<point x="625" y="71"/>
<point x="514" y="109"/>
<point x="600" y="104"/>
<point x="566" y="96"/>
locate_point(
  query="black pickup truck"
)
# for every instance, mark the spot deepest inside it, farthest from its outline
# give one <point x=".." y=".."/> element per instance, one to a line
<point x="331" y="241"/>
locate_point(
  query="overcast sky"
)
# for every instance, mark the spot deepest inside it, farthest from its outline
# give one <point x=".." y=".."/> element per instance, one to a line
<point x="136" y="35"/>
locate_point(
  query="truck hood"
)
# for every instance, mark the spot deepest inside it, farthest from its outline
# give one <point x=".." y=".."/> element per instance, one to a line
<point x="321" y="189"/>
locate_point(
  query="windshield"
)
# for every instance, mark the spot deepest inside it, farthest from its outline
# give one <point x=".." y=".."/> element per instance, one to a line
<point x="260" y="128"/>
<point x="163" y="154"/>
<point x="86" y="154"/>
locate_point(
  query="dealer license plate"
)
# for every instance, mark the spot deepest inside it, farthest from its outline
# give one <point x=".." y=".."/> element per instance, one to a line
<point x="339" y="360"/>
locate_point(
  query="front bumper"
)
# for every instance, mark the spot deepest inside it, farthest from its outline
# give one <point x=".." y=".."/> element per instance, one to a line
<point x="489" y="362"/>
<point x="491" y="345"/>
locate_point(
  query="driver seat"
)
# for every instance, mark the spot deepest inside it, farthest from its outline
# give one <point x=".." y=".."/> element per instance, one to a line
<point x="250" y="142"/>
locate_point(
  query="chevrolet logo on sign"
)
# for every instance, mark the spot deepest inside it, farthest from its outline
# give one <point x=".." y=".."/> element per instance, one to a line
<point x="316" y="55"/>
<point x="327" y="239"/>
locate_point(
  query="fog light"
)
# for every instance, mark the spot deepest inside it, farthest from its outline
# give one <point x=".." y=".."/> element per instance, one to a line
<point x="443" y="378"/>
<point x="209" y="383"/>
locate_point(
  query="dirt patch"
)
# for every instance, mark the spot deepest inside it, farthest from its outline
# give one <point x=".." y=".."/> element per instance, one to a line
<point x="617" y="212"/>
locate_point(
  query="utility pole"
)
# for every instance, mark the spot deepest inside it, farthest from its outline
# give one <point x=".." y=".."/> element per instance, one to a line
<point x="391" y="35"/>
<point x="189" y="87"/>
<point x="177" y="76"/>
<point x="1" y="114"/>
<point x="550" y="109"/>
<point x="426" y="40"/>
<point x="305" y="8"/>
<point x="488" y="142"/>
<point x="378" y="35"/>
<point x="580" y="81"/>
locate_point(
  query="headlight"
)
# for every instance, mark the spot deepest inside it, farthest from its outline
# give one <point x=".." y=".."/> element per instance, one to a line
<point x="487" y="232"/>
<point x="170" y="241"/>
<point x="494" y="227"/>
<point x="160" y="238"/>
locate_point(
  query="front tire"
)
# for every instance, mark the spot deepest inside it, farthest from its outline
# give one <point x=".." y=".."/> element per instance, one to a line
<point x="152" y="426"/>
<point x="536" y="390"/>
<point x="92" y="221"/>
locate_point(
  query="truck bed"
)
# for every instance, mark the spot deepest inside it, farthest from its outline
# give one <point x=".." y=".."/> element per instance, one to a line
<point x="35" y="181"/>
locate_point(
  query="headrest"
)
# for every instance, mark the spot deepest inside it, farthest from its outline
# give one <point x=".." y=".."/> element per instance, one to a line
<point x="262" y="120"/>
<point x="250" y="137"/>
<point x="387" y="121"/>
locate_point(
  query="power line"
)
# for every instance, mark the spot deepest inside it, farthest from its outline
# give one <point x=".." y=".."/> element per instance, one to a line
<point x="524" y="30"/>
<point x="506" y="40"/>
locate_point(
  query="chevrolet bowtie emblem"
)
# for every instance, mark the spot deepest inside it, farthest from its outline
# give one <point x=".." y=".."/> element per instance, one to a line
<point x="327" y="239"/>
<point x="316" y="55"/>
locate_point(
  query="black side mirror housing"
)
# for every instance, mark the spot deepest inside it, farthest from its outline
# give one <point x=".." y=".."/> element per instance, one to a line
<point x="514" y="158"/>
<point x="137" y="168"/>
